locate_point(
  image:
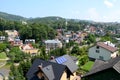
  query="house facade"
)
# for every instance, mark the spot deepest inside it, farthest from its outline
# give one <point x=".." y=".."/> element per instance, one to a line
<point x="2" y="38"/>
<point x="12" y="34"/>
<point x="16" y="42"/>
<point x="27" y="41"/>
<point x="52" y="44"/>
<point x="28" y="48"/>
<point x="103" y="51"/>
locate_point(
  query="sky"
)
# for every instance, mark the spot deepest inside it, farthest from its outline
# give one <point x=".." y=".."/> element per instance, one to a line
<point x="95" y="10"/>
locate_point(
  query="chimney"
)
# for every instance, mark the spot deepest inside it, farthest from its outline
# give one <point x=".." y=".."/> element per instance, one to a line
<point x="40" y="66"/>
<point x="107" y="44"/>
<point x="52" y="57"/>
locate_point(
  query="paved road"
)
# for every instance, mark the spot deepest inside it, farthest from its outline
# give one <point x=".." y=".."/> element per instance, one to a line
<point x="4" y="72"/>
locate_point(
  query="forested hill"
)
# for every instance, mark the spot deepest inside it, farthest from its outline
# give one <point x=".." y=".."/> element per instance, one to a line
<point x="43" y="20"/>
<point x="58" y="22"/>
<point x="46" y="19"/>
<point x="12" y="17"/>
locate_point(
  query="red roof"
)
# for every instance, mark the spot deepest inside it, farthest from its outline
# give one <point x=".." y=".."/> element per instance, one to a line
<point x="30" y="46"/>
<point x="106" y="46"/>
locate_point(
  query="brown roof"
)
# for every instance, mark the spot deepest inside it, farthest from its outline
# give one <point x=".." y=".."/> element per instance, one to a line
<point x="108" y="47"/>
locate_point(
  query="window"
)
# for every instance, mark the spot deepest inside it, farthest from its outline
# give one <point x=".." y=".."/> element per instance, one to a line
<point x="97" y="47"/>
<point x="97" y="51"/>
<point x="101" y="57"/>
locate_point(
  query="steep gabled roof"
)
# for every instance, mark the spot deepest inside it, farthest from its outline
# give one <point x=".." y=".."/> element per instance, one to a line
<point x="27" y="46"/>
<point x="108" y="47"/>
<point x="68" y="62"/>
<point x="53" y="71"/>
<point x="117" y="66"/>
<point x="102" y="65"/>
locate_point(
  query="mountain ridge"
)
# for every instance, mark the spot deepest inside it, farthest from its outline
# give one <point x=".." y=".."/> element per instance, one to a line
<point x="12" y="17"/>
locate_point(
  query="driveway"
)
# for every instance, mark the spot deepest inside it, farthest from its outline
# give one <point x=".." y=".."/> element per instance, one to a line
<point x="4" y="72"/>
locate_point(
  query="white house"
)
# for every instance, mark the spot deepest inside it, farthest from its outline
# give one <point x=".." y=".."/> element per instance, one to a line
<point x="11" y="34"/>
<point x="52" y="44"/>
<point x="2" y="38"/>
<point x="103" y="51"/>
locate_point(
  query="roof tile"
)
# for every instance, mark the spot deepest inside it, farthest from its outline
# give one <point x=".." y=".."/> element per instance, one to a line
<point x="108" y="47"/>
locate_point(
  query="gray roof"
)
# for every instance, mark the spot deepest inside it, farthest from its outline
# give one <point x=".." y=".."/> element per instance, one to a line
<point x="69" y="63"/>
<point x="52" y="41"/>
<point x="69" y="32"/>
<point x="117" y="66"/>
<point x="102" y="65"/>
<point x="53" y="71"/>
<point x="98" y="63"/>
<point x="48" y="71"/>
<point x="75" y="59"/>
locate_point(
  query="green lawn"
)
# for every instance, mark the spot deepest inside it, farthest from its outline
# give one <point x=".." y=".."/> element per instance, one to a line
<point x="7" y="66"/>
<point x="3" y="55"/>
<point x="87" y="66"/>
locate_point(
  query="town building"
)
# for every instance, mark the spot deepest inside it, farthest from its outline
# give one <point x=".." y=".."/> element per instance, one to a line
<point x="2" y="38"/>
<point x="52" y="44"/>
<point x="27" y="41"/>
<point x="104" y="70"/>
<point x="69" y="62"/>
<point x="12" y="34"/>
<point x="28" y="48"/>
<point x="103" y="51"/>
<point x="59" y="68"/>
<point x="16" y="42"/>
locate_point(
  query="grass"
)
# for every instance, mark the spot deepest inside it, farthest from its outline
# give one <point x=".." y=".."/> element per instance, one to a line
<point x="3" y="55"/>
<point x="87" y="66"/>
<point x="7" y="66"/>
<point x="2" y="62"/>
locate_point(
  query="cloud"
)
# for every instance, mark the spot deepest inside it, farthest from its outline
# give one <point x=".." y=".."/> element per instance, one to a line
<point x="108" y="3"/>
<point x="93" y="14"/>
<point x="111" y="17"/>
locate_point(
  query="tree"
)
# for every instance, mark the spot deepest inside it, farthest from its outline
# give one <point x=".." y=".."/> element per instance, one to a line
<point x="90" y="39"/>
<point x="16" y="55"/>
<point x="83" y="50"/>
<point x="37" y="31"/>
<point x="75" y="50"/>
<point x="24" y="67"/>
<point x="83" y="60"/>
<point x="70" y="44"/>
<point x="2" y="47"/>
<point x="15" y="73"/>
<point x="63" y="51"/>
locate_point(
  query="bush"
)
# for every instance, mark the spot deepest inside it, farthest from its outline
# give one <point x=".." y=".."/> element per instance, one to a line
<point x="83" y="60"/>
